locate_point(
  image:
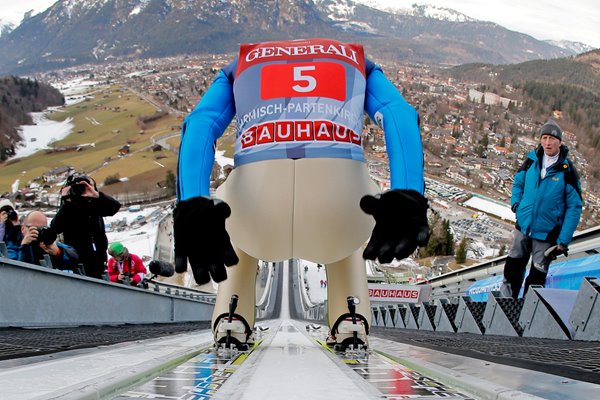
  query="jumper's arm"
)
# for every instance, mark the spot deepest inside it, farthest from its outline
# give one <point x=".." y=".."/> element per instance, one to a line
<point x="400" y="122"/>
<point x="199" y="133"/>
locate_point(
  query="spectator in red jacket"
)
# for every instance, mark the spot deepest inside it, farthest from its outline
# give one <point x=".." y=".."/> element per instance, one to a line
<point x="124" y="267"/>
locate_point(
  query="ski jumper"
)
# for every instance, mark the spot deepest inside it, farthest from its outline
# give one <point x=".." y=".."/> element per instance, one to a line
<point x="300" y="170"/>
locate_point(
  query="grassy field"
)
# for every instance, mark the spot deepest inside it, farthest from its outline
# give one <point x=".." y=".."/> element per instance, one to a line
<point x="109" y="121"/>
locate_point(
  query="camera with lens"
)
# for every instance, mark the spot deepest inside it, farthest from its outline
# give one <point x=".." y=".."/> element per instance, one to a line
<point x="46" y="235"/>
<point x="12" y="215"/>
<point x="76" y="189"/>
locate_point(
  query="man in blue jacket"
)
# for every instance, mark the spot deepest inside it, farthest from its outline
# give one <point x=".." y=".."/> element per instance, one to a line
<point x="546" y="198"/>
<point x="10" y="229"/>
<point x="39" y="239"/>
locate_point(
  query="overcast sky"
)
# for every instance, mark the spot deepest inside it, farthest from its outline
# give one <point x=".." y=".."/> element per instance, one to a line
<point x="574" y="20"/>
<point x="13" y="10"/>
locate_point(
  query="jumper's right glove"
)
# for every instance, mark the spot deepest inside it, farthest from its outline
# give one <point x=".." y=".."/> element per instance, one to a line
<point x="400" y="224"/>
<point x="200" y="236"/>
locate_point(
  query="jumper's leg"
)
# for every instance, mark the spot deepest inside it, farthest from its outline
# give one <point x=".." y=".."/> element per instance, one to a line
<point x="240" y="282"/>
<point x="347" y="280"/>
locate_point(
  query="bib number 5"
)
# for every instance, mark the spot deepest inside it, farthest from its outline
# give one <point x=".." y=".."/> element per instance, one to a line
<point x="301" y="75"/>
<point x="316" y="79"/>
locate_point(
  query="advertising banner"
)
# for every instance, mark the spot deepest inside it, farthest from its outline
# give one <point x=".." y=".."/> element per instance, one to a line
<point x="399" y="293"/>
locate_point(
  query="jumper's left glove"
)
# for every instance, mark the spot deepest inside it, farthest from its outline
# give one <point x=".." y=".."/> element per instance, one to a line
<point x="200" y="236"/>
<point x="400" y="224"/>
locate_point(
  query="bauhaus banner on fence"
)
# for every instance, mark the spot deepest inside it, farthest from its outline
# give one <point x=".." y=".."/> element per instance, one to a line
<point x="399" y="293"/>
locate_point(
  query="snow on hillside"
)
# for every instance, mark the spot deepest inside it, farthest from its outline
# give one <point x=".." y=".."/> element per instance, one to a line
<point x="44" y="131"/>
<point x="38" y="136"/>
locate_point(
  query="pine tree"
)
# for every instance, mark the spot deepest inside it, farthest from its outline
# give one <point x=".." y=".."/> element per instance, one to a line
<point x="441" y="242"/>
<point x="455" y="131"/>
<point x="502" y="250"/>
<point x="171" y="182"/>
<point x="485" y="140"/>
<point x="461" y="252"/>
<point x="448" y="239"/>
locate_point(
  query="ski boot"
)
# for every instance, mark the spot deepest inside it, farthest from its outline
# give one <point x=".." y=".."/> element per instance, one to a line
<point x="350" y="330"/>
<point x="232" y="331"/>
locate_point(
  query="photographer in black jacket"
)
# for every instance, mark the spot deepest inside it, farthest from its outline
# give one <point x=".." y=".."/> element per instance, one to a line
<point x="80" y="221"/>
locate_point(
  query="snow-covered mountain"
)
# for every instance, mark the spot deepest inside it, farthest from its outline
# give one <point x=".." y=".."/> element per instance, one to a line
<point x="79" y="31"/>
<point x="10" y="20"/>
<point x="421" y="10"/>
<point x="575" y="47"/>
<point x="6" y="26"/>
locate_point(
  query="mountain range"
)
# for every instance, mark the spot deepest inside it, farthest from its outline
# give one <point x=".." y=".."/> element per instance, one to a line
<point x="73" y="32"/>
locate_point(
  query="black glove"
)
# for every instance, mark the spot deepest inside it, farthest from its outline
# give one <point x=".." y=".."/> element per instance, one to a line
<point x="553" y="252"/>
<point x="400" y="224"/>
<point x="200" y="236"/>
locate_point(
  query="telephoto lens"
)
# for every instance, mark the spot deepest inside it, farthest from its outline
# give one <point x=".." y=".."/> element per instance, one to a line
<point x="46" y="235"/>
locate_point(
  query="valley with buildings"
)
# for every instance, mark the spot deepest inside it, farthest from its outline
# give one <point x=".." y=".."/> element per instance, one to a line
<point x="474" y="139"/>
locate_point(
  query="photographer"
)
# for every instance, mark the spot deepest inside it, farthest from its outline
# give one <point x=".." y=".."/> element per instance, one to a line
<point x="39" y="239"/>
<point x="80" y="221"/>
<point x="10" y="230"/>
<point x="123" y="267"/>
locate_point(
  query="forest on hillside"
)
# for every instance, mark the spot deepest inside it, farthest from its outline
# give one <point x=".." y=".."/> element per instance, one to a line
<point x="579" y="106"/>
<point x="18" y="98"/>
<point x="568" y="85"/>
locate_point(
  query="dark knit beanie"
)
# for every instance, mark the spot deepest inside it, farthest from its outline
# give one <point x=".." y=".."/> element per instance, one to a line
<point x="551" y="128"/>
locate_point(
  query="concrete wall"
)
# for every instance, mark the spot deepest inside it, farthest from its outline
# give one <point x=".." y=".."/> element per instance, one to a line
<point x="37" y="296"/>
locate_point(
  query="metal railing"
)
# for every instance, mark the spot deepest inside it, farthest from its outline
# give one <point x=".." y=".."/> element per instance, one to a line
<point x="454" y="284"/>
<point x="180" y="291"/>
